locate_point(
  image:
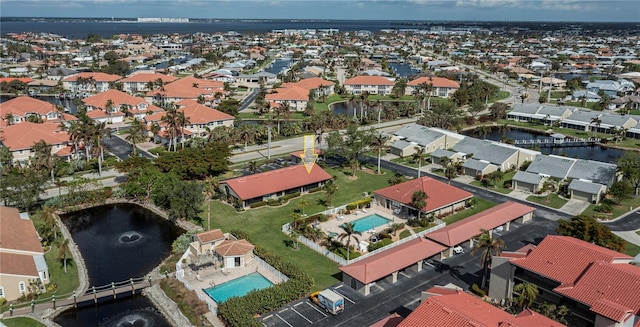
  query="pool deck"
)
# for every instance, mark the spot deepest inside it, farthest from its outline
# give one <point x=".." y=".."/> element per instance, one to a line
<point x="333" y="225"/>
<point x="212" y="275"/>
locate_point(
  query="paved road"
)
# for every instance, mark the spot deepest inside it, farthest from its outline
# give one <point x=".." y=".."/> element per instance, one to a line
<point x="629" y="222"/>
<point x="121" y="148"/>
<point x="403" y="296"/>
<point x="248" y="100"/>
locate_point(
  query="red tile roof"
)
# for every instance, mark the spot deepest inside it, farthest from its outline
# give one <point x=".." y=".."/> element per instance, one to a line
<point x="439" y="194"/>
<point x="391" y="320"/>
<point x="210" y="236"/>
<point x="564" y="258"/>
<point x="118" y="98"/>
<point x="253" y="186"/>
<point x="313" y="83"/>
<point x="17" y="233"/>
<point x="232" y="248"/>
<point x="10" y="79"/>
<point x="148" y="77"/>
<point x="435" y="81"/>
<point x="289" y="93"/>
<point x="465" y="229"/>
<point x="462" y="309"/>
<point x="25" y="134"/>
<point x="368" y="80"/>
<point x="17" y="264"/>
<point x="24" y="105"/>
<point x="611" y="289"/>
<point x="98" y="77"/>
<point x="396" y="258"/>
<point x="189" y="88"/>
<point x="200" y="114"/>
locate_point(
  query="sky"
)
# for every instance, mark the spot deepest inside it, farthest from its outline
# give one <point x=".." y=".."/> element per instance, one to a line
<point x="421" y="10"/>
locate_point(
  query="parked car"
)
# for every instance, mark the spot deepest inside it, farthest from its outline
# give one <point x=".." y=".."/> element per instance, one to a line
<point x="458" y="249"/>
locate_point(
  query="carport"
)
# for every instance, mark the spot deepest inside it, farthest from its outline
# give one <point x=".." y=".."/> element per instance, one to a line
<point x="361" y="274"/>
<point x="466" y="229"/>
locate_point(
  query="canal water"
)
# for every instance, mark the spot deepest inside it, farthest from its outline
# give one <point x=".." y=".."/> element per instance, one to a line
<point x="67" y="103"/>
<point x="403" y="69"/>
<point x="119" y="242"/>
<point x="598" y="153"/>
<point x="278" y="66"/>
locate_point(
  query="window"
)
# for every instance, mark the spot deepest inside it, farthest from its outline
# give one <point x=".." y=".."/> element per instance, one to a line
<point x="237" y="261"/>
<point x="1" y="292"/>
<point x="21" y="287"/>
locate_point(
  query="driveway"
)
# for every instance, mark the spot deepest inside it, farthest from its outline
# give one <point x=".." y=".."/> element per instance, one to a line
<point x="574" y="207"/>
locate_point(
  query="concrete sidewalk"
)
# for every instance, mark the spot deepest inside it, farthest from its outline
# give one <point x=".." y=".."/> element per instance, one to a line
<point x="629" y="236"/>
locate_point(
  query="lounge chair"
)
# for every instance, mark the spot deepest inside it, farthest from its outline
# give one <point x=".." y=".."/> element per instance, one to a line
<point x="364" y="210"/>
<point x="340" y="218"/>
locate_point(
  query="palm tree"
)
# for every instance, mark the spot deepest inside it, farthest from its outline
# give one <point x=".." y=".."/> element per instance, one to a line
<point x="109" y="107"/>
<point x="527" y="294"/>
<point x="293" y="234"/>
<point x="44" y="158"/>
<point x="155" y="130"/>
<point x="9" y="117"/>
<point x="419" y="201"/>
<point x="595" y="121"/>
<point x="182" y="122"/>
<point x="49" y="217"/>
<point x="137" y="133"/>
<point x="170" y="119"/>
<point x="379" y="142"/>
<point x="64" y="253"/>
<point x="349" y="233"/>
<point x="253" y="166"/>
<point x="303" y="203"/>
<point x="330" y="188"/>
<point x="489" y="247"/>
<point x="100" y="132"/>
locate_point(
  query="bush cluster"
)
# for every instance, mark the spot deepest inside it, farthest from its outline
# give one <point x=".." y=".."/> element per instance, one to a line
<point x="240" y="311"/>
<point x="358" y="204"/>
<point x="258" y="204"/>
<point x="477" y="290"/>
<point x="374" y="246"/>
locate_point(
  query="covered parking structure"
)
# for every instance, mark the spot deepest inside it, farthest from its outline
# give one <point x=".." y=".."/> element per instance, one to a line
<point x="466" y="229"/>
<point x="361" y="274"/>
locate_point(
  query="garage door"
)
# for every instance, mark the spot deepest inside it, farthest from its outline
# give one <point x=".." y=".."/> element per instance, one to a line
<point x="581" y="196"/>
<point x="524" y="187"/>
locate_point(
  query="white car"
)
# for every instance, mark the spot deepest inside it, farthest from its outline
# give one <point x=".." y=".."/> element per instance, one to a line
<point x="458" y="249"/>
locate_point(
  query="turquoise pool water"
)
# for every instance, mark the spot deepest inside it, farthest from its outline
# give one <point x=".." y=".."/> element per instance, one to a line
<point x="369" y="222"/>
<point x="238" y="287"/>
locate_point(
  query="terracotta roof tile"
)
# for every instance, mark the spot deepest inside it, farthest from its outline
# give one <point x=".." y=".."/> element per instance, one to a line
<point x="98" y="77"/>
<point x="564" y="258"/>
<point x="17" y="233"/>
<point x="435" y="81"/>
<point x="231" y="248"/>
<point x="20" y="106"/>
<point x="313" y="83"/>
<point x="118" y="98"/>
<point x="391" y="320"/>
<point x="25" y="134"/>
<point x="200" y="114"/>
<point x="439" y="194"/>
<point x="467" y="228"/>
<point x="210" y="236"/>
<point x="396" y="258"/>
<point x="289" y="93"/>
<point x="252" y="186"/>
<point x="148" y="77"/>
<point x="368" y="80"/>
<point x="17" y="264"/>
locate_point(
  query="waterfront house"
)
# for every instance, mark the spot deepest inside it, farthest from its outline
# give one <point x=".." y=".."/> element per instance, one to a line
<point x="372" y="84"/>
<point x="21" y="254"/>
<point x="24" y="108"/>
<point x="89" y="82"/>
<point x="611" y="88"/>
<point x="597" y="121"/>
<point x="599" y="286"/>
<point x="442" y="87"/>
<point x="296" y="97"/>
<point x="273" y="184"/>
<point x="443" y="199"/>
<point x="113" y="106"/>
<point x="141" y="81"/>
<point x="541" y="113"/>
<point x="20" y="138"/>
<point x="187" y="88"/>
<point x="318" y="85"/>
<point x="253" y="80"/>
<point x="502" y="155"/>
<point x="405" y="140"/>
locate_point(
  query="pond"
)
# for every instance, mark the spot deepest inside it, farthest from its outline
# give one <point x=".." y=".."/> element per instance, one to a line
<point x="118" y="242"/>
<point x="598" y="153"/>
<point x="403" y="69"/>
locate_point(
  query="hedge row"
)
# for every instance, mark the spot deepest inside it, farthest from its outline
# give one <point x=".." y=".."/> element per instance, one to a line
<point x="240" y="311"/>
<point x="258" y="204"/>
<point x="357" y="204"/>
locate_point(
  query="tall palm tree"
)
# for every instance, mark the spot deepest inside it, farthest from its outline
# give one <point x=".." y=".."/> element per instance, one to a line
<point x="170" y="120"/>
<point x="43" y="158"/>
<point x="209" y="190"/>
<point x="137" y="133"/>
<point x="155" y="130"/>
<point x="182" y="122"/>
<point x="527" y="294"/>
<point x="48" y="215"/>
<point x="253" y="166"/>
<point x="303" y="203"/>
<point x="419" y="201"/>
<point x="349" y="233"/>
<point x="489" y="247"/>
<point x="595" y="121"/>
<point x="100" y="132"/>
<point x="64" y="253"/>
<point x="379" y="142"/>
<point x="108" y="107"/>
<point x="330" y="188"/>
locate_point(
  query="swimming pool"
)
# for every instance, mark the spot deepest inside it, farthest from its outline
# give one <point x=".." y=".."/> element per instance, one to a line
<point x="238" y="287"/>
<point x="369" y="222"/>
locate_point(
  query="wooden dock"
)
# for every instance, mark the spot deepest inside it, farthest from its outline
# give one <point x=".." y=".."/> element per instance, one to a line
<point x="557" y="142"/>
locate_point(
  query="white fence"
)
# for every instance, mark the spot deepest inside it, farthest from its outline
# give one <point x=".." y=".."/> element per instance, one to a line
<point x="200" y="293"/>
<point x="269" y="268"/>
<point x="342" y="261"/>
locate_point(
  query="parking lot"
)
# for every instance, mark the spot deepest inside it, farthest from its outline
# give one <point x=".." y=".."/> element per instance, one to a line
<point x="404" y="295"/>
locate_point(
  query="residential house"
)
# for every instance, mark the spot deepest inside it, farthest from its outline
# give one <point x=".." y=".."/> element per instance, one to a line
<point x="406" y="139"/>
<point x="24" y="108"/>
<point x="21" y="254"/>
<point x="91" y="82"/>
<point x="253" y="80"/>
<point x="20" y="138"/>
<point x="504" y="156"/>
<point x="588" y="96"/>
<point x="113" y="106"/>
<point x="598" y="285"/>
<point x="140" y="82"/>
<point x="611" y="88"/>
<point x="60" y="73"/>
<point x="273" y="184"/>
<point x="443" y="199"/>
<point x="372" y="84"/>
<point x="597" y="121"/>
<point x="187" y="88"/>
<point x="319" y="86"/>
<point x="296" y="97"/>
<point x="539" y="113"/>
<point x="450" y="306"/>
<point x="442" y="87"/>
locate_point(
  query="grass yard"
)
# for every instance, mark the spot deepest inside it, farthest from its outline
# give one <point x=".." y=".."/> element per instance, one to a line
<point x="500" y="184"/>
<point x="21" y="322"/>
<point x="481" y="205"/>
<point x="554" y="200"/>
<point x="618" y="210"/>
<point x="264" y="224"/>
<point x="638" y="232"/>
<point x="631" y="249"/>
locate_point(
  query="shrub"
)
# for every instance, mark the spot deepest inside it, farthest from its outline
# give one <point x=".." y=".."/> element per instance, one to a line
<point x="315" y="189"/>
<point x="477" y="290"/>
<point x="258" y="204"/>
<point x="382" y="243"/>
<point x="3" y="301"/>
<point x="351" y="206"/>
<point x="323" y="218"/>
<point x="273" y="202"/>
<point x="604" y="208"/>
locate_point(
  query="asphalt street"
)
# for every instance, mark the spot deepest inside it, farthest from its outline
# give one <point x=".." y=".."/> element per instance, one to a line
<point x="121" y="148"/>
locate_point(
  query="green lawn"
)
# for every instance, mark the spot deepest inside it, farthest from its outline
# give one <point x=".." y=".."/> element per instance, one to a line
<point x="481" y="205"/>
<point x="324" y="106"/>
<point x="618" y="210"/>
<point x="638" y="232"/>
<point x="264" y="224"/>
<point x="21" y="322"/>
<point x="554" y="200"/>
<point x="66" y="282"/>
<point x="499" y="96"/>
<point x="408" y="161"/>
<point x="500" y="184"/>
<point x="631" y="249"/>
